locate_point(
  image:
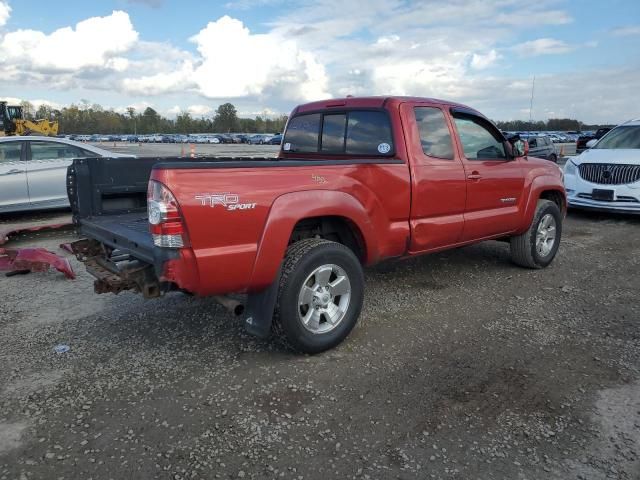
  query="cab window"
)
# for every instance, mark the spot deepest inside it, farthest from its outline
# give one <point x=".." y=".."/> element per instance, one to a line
<point x="478" y="142"/>
<point x="434" y="132"/>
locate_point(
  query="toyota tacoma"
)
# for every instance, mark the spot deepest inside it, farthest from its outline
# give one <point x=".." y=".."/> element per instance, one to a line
<point x="357" y="181"/>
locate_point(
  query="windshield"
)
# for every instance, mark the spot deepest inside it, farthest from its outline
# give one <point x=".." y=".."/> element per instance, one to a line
<point x="621" y="137"/>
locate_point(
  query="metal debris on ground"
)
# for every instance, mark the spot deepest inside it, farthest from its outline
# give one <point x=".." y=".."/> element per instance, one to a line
<point x="33" y="260"/>
<point x="61" y="348"/>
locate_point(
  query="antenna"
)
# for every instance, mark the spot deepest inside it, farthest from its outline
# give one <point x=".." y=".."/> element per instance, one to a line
<point x="533" y="86"/>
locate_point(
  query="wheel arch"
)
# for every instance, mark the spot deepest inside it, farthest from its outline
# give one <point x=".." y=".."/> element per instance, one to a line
<point x="545" y="188"/>
<point x="308" y="214"/>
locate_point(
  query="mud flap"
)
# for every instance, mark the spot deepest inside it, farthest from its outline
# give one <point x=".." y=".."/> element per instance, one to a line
<point x="259" y="310"/>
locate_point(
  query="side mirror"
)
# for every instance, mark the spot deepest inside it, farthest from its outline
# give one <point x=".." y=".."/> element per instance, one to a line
<point x="592" y="143"/>
<point x="520" y="148"/>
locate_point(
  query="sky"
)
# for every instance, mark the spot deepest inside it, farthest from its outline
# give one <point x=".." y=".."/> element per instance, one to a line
<point x="267" y="56"/>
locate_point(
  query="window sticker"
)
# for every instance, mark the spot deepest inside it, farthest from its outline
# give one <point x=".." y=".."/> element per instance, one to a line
<point x="384" y="148"/>
<point x="286" y="147"/>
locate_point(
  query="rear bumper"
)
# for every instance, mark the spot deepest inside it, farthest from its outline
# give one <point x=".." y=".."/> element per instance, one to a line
<point x="120" y="254"/>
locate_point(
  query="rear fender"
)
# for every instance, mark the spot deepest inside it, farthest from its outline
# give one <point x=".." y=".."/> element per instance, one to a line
<point x="290" y="208"/>
<point x="539" y="185"/>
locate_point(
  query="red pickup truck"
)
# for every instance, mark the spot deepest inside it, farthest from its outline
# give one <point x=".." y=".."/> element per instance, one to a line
<point x="357" y="180"/>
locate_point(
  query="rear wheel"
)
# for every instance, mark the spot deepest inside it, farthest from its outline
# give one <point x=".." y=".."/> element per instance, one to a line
<point x="320" y="296"/>
<point x="537" y="247"/>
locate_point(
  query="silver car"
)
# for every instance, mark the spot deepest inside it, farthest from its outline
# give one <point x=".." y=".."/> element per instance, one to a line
<point x="33" y="171"/>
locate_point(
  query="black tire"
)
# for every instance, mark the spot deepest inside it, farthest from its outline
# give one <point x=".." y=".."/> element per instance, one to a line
<point x="303" y="258"/>
<point x="523" y="247"/>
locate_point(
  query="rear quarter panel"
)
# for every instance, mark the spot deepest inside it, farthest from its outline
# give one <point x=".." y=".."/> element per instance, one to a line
<point x="241" y="250"/>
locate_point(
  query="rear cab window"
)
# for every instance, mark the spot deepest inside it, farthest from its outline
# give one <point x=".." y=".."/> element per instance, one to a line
<point x="352" y="132"/>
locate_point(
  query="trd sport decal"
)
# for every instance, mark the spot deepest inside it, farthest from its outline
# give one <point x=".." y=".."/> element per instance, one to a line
<point x="230" y="201"/>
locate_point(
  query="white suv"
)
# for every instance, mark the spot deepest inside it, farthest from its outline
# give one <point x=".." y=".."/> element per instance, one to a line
<point x="607" y="176"/>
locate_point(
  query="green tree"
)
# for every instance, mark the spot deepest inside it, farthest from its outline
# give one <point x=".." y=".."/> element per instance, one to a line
<point x="226" y="119"/>
<point x="150" y="120"/>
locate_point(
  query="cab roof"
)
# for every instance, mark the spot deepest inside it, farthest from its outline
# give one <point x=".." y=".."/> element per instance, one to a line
<point x="372" y="102"/>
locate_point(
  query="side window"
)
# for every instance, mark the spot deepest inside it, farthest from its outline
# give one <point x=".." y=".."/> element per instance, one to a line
<point x="434" y="132"/>
<point x="52" y="151"/>
<point x="302" y="134"/>
<point x="477" y="141"/>
<point x="10" y="152"/>
<point x="533" y="142"/>
<point x="333" y="133"/>
<point x="369" y="133"/>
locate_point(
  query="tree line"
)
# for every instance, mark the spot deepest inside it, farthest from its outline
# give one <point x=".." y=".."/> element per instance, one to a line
<point x="93" y="118"/>
<point x="87" y="119"/>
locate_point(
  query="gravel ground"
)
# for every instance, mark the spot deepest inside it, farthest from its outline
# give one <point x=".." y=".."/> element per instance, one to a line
<point x="462" y="366"/>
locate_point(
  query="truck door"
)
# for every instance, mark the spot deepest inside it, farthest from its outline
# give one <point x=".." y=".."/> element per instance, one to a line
<point x="438" y="194"/>
<point x="47" y="171"/>
<point x="495" y="182"/>
<point x="13" y="176"/>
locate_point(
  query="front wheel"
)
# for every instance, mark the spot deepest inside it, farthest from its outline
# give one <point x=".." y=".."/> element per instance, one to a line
<point x="320" y="295"/>
<point x="537" y="247"/>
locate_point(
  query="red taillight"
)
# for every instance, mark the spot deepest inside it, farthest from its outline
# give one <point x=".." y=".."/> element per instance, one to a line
<point x="165" y="220"/>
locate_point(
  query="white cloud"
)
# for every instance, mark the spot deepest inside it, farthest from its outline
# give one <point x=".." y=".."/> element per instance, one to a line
<point x="162" y="82"/>
<point x="199" y="110"/>
<point x="96" y="42"/>
<point x="629" y="30"/>
<point x="257" y="63"/>
<point x="5" y="13"/>
<point x="542" y="46"/>
<point x="480" y="61"/>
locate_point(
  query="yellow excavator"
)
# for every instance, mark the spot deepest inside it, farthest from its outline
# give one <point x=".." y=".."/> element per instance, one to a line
<point x="12" y="122"/>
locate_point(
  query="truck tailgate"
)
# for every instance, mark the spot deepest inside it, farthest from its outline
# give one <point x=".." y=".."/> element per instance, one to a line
<point x="128" y="233"/>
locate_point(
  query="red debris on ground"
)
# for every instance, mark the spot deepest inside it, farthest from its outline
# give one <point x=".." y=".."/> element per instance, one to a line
<point x="34" y="260"/>
<point x="7" y="231"/>
<point x="67" y="247"/>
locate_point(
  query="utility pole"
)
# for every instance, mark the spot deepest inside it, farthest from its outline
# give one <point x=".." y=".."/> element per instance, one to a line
<point x="533" y="86"/>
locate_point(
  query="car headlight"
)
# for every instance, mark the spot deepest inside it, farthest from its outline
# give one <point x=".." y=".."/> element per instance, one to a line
<point x="570" y="168"/>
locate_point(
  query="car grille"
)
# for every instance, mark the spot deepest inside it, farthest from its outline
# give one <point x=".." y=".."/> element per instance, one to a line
<point x="608" y="174"/>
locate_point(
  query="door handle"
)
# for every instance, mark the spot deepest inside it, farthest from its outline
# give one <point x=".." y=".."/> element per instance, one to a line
<point x="474" y="176"/>
<point x="15" y="171"/>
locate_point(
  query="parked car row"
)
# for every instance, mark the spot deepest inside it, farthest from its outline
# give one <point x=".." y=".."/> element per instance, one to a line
<point x="216" y="138"/>
<point x="555" y="137"/>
